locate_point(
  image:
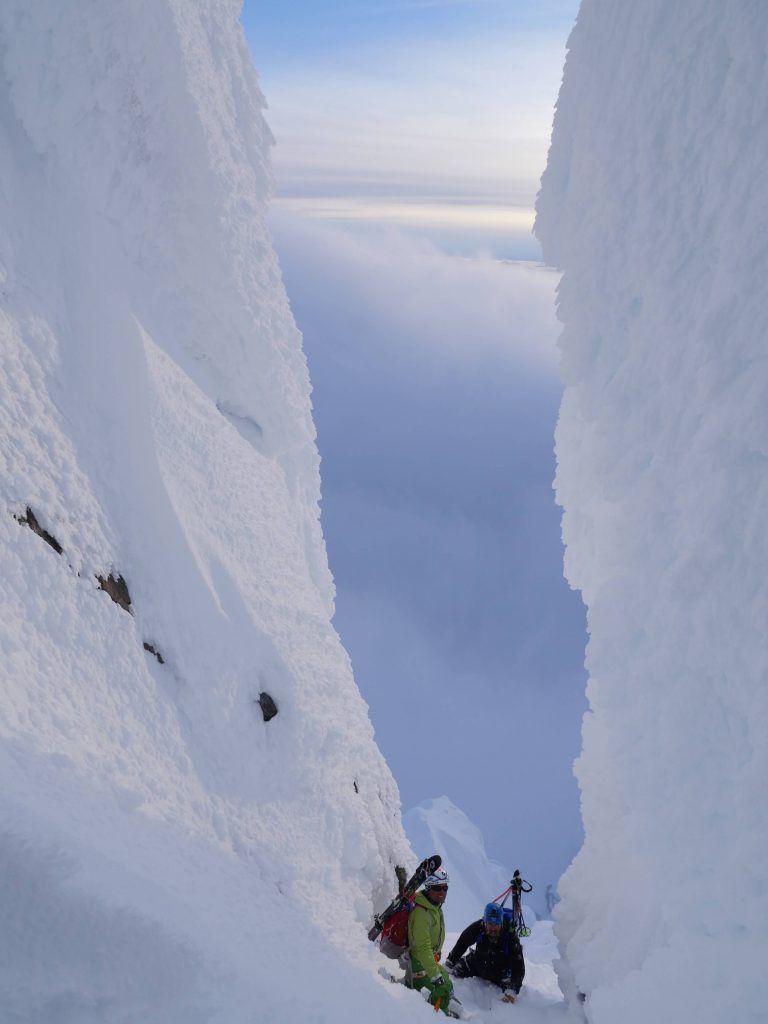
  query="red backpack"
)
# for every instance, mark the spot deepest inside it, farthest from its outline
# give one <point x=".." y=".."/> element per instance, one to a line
<point x="395" y="930"/>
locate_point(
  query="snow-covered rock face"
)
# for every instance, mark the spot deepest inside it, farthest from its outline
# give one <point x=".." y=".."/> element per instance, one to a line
<point x="653" y="205"/>
<point x="155" y="419"/>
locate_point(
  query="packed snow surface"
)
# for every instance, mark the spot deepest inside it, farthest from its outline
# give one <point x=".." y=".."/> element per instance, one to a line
<point x="654" y="207"/>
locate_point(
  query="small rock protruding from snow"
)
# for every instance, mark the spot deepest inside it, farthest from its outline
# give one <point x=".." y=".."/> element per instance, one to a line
<point x="151" y="649"/>
<point x="268" y="707"/>
<point x="30" y="520"/>
<point x="117" y="589"/>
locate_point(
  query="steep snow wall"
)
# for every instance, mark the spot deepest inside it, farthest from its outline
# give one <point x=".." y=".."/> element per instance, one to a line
<point x="654" y="206"/>
<point x="165" y="845"/>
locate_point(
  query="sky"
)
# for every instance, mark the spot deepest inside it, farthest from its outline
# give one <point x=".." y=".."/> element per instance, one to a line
<point x="410" y="137"/>
<point x="433" y="117"/>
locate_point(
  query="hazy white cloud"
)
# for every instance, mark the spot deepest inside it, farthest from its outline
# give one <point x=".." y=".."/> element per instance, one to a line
<point x="411" y="293"/>
<point x="411" y="212"/>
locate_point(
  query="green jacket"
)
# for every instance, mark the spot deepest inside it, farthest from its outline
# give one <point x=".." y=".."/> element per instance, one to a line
<point x="426" y="935"/>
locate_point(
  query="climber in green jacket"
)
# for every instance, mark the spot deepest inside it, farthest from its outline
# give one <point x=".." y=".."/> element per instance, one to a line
<point x="426" y="934"/>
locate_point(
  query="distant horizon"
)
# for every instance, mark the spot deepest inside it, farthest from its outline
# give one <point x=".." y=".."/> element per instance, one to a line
<point x="447" y="100"/>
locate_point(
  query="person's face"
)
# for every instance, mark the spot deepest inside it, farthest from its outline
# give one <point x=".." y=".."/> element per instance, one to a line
<point x="437" y="893"/>
<point x="493" y="931"/>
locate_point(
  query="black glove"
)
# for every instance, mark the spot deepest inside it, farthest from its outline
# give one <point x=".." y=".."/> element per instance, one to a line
<point x="458" y="968"/>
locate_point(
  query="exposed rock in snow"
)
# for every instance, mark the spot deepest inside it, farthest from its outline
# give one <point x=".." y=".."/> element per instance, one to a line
<point x="30" y="519"/>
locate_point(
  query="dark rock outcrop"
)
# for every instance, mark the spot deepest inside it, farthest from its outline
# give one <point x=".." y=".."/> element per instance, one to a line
<point x="30" y="520"/>
<point x="117" y="589"/>
<point x="268" y="706"/>
<point x="153" y="650"/>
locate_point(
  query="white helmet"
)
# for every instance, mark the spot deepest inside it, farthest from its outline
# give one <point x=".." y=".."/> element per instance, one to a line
<point x="438" y="877"/>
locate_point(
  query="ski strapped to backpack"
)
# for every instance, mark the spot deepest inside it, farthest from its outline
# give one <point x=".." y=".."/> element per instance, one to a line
<point x="404" y="899"/>
<point x="517" y="887"/>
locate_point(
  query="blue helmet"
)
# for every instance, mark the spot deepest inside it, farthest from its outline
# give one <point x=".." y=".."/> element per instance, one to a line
<point x="493" y="914"/>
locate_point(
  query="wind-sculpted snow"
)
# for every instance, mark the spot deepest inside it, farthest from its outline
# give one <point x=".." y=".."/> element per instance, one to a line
<point x="170" y="852"/>
<point x="654" y="207"/>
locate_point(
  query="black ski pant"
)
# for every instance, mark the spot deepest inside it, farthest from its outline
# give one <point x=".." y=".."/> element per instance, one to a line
<point x="478" y="967"/>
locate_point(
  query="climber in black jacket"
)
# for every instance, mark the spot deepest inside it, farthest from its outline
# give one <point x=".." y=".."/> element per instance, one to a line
<point x="497" y="956"/>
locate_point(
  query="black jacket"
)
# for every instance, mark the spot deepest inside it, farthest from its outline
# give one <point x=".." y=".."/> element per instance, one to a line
<point x="500" y="961"/>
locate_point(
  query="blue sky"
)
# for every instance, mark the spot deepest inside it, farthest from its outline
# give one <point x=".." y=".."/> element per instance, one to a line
<point x="410" y="140"/>
<point x="295" y="34"/>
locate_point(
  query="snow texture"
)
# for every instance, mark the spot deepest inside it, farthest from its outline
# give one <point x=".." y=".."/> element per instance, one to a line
<point x="654" y="207"/>
<point x="167" y="854"/>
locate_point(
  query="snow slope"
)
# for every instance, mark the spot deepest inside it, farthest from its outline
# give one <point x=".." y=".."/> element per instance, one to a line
<point x="164" y="846"/>
<point x="654" y="206"/>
